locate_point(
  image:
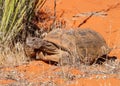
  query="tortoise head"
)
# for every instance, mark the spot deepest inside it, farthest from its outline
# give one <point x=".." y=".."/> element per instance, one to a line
<point x="34" y="42"/>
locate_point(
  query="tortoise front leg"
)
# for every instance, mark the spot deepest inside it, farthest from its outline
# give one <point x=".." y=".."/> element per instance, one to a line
<point x="58" y="57"/>
<point x="43" y="57"/>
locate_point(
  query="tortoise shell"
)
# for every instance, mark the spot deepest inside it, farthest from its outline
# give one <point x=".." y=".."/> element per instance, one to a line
<point x="85" y="44"/>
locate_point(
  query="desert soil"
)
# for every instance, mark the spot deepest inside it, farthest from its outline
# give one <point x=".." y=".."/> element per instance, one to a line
<point x="100" y="15"/>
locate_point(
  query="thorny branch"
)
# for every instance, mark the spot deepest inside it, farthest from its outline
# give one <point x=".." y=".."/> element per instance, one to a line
<point x="97" y="13"/>
<point x="84" y="21"/>
<point x="54" y="20"/>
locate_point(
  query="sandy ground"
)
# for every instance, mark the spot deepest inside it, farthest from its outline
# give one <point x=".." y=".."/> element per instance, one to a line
<point x="100" y="15"/>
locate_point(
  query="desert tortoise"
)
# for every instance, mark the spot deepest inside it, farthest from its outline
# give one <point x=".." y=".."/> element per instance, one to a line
<point x="68" y="46"/>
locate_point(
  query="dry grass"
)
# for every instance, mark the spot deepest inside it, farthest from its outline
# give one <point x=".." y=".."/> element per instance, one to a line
<point x="14" y="56"/>
<point x="105" y="71"/>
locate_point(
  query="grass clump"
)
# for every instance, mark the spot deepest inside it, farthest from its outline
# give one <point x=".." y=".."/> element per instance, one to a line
<point x="14" y="14"/>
